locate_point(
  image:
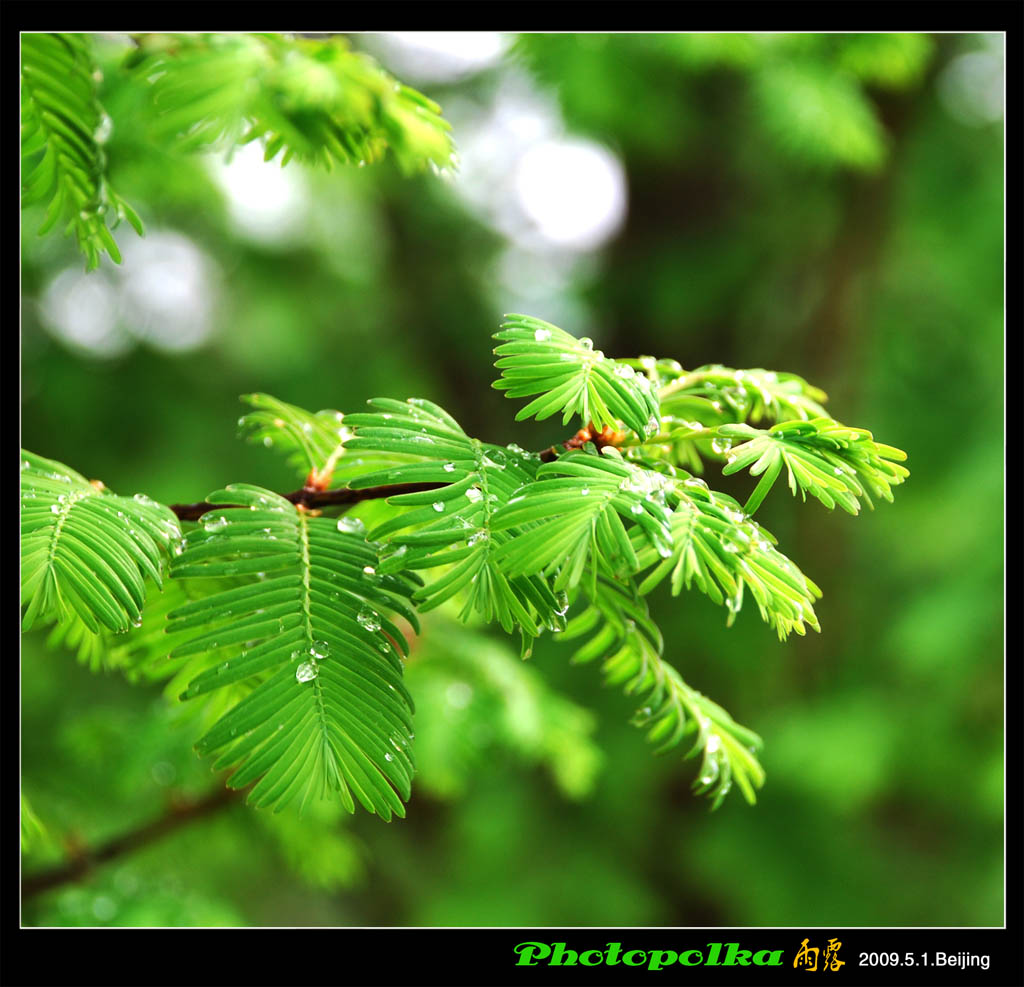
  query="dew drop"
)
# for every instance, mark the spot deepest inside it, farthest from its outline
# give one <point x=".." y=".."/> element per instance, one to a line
<point x="651" y="427"/>
<point x="476" y="539"/>
<point x="637" y="509"/>
<point x="713" y="744"/>
<point x="102" y="133"/>
<point x="306" y="672"/>
<point x="542" y="335"/>
<point x="351" y="526"/>
<point x="584" y="491"/>
<point x="449" y="467"/>
<point x="438" y="506"/>
<point x="473" y="494"/>
<point x="721" y="446"/>
<point x="369" y="570"/>
<point x="216" y="524"/>
<point x="268" y="441"/>
<point x="369" y="619"/>
<point x="586" y="342"/>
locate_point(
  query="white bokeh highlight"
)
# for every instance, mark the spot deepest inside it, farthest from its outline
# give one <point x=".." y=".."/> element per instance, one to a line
<point x="267" y="204"/>
<point x="164" y="294"/>
<point x="972" y="86"/>
<point x="82" y="310"/>
<point x="573" y="192"/>
<point x="523" y="176"/>
<point x="167" y="292"/>
<point x="439" y="56"/>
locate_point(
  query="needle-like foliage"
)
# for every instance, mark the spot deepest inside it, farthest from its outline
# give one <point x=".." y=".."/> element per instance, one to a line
<point x="314" y="623"/>
<point x="835" y="464"/>
<point x="314" y="100"/>
<point x="63" y="128"/>
<point x="282" y="617"/>
<point x="720" y="550"/>
<point x="570" y="377"/>
<point x="85" y="551"/>
<point x="631" y="647"/>
<point x="453" y="525"/>
<point x="574" y="515"/>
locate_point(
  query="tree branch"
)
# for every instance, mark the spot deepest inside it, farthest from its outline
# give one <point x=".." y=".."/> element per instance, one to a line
<point x="312" y="498"/>
<point x="83" y="860"/>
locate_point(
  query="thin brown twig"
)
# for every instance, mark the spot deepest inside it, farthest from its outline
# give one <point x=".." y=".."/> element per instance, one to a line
<point x="312" y="497"/>
<point x="84" y="860"/>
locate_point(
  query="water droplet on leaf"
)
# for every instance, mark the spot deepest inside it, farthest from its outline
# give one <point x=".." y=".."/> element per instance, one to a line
<point x="351" y="526"/>
<point x="306" y="672"/>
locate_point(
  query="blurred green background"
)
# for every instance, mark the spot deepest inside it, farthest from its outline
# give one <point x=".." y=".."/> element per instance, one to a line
<point x="830" y="205"/>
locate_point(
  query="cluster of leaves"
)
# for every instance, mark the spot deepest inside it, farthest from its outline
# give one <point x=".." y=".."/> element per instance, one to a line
<point x="293" y="621"/>
<point x="314" y="100"/>
<point x="63" y="128"/>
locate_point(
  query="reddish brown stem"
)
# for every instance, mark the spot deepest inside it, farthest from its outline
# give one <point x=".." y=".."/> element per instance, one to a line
<point x="311" y="498"/>
<point x="605" y="437"/>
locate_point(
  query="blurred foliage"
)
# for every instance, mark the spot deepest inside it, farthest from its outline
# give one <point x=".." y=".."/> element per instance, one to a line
<point x="315" y="100"/>
<point x="801" y="202"/>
